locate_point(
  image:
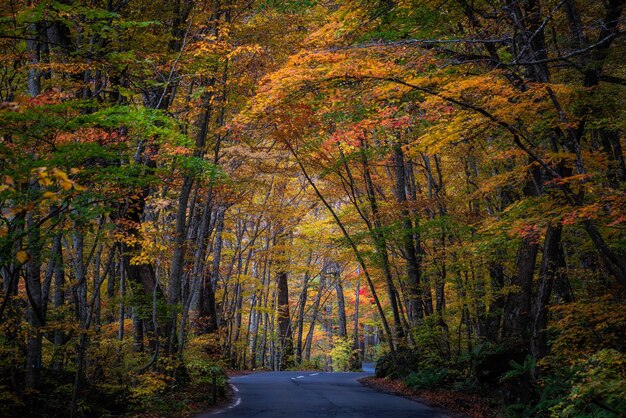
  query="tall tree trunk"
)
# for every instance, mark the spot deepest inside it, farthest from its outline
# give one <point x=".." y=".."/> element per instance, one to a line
<point x="301" y="310"/>
<point x="380" y="244"/>
<point x="314" y="314"/>
<point x="58" y="300"/>
<point x="412" y="256"/>
<point x="518" y="304"/>
<point x="80" y="276"/>
<point x="284" y="322"/>
<point x="493" y="319"/>
<point x="552" y="270"/>
<point x="174" y="287"/>
<point x="34" y="45"/>
<point x="614" y="263"/>
<point x="35" y="314"/>
<point x="342" y="330"/>
<point x="425" y="288"/>
<point x="122" y="294"/>
<point x="202" y="298"/>
<point x="356" y="355"/>
<point x="260" y="312"/>
<point x="436" y="191"/>
<point x="517" y="308"/>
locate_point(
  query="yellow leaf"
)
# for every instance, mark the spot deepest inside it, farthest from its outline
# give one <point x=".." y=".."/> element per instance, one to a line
<point x="22" y="256"/>
<point x="66" y="184"/>
<point x="49" y="195"/>
<point x="45" y="182"/>
<point x="59" y="175"/>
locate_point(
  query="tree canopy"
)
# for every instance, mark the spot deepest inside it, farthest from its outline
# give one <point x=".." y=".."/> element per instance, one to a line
<point x="189" y="187"/>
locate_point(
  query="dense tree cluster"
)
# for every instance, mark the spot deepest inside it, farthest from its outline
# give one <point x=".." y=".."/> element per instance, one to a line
<point x="189" y="186"/>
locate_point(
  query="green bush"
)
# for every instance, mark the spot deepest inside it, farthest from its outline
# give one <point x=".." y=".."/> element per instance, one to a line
<point x="313" y="364"/>
<point x="426" y="378"/>
<point x="598" y="388"/>
<point x="401" y="364"/>
<point x="341" y="354"/>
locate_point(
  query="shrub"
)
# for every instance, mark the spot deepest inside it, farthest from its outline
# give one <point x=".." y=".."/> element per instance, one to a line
<point x="426" y="378"/>
<point x="598" y="389"/>
<point x="342" y="355"/>
<point x="406" y="361"/>
<point x="148" y="388"/>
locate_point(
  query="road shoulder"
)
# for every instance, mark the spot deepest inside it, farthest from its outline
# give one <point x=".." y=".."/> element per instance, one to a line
<point x="455" y="404"/>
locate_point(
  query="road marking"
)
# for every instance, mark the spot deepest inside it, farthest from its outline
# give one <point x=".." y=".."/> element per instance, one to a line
<point x="299" y="377"/>
<point x="314" y="374"/>
<point x="236" y="403"/>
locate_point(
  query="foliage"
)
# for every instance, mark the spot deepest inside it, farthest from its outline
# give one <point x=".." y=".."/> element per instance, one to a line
<point x="598" y="387"/>
<point x="148" y="389"/>
<point x="187" y="187"/>
<point x="341" y="355"/>
<point x="524" y="369"/>
<point x="426" y="378"/>
<point x="582" y="329"/>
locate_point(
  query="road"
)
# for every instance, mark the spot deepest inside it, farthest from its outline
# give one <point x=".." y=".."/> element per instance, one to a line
<point x="315" y="394"/>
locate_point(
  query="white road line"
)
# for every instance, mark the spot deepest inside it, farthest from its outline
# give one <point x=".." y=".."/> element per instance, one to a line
<point x="314" y="374"/>
<point x="236" y="403"/>
<point x="299" y="377"/>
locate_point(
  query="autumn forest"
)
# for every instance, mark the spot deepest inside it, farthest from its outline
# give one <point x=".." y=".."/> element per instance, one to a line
<point x="191" y="188"/>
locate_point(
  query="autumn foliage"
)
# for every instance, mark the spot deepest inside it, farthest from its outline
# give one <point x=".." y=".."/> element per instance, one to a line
<point x="188" y="187"/>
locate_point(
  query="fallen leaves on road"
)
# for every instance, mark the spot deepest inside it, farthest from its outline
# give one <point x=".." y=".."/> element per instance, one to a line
<point x="459" y="403"/>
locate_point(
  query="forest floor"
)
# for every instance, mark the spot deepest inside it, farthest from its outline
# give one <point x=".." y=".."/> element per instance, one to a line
<point x="460" y="404"/>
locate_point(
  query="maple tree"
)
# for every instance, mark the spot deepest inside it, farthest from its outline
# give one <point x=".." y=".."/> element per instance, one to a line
<point x="190" y="186"/>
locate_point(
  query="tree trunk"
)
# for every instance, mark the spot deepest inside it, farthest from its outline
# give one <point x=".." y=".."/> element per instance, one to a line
<point x="493" y="319"/>
<point x="356" y="356"/>
<point x="284" y="322"/>
<point x="552" y="270"/>
<point x="518" y="304"/>
<point x="301" y="309"/>
<point x="35" y="306"/>
<point x="342" y="330"/>
<point x="314" y="314"/>
<point x="380" y="244"/>
<point x="259" y="314"/>
<point x="517" y="308"/>
<point x="137" y="332"/>
<point x="58" y="300"/>
<point x="120" y="330"/>
<point x="174" y="287"/>
<point x="412" y="256"/>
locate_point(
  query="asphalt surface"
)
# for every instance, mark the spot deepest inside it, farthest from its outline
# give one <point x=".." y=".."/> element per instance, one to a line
<point x="316" y="394"/>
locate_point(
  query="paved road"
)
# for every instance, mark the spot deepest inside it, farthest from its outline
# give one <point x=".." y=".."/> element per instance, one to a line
<point x="311" y="394"/>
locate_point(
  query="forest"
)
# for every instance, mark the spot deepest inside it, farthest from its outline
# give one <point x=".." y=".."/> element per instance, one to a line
<point x="190" y="188"/>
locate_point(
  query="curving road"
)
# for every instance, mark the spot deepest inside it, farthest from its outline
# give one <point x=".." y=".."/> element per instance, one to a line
<point x="316" y="394"/>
